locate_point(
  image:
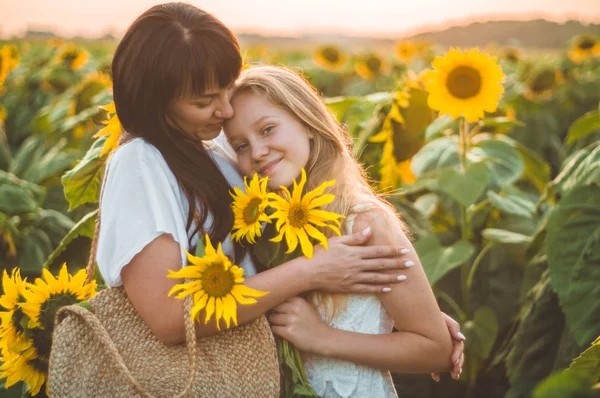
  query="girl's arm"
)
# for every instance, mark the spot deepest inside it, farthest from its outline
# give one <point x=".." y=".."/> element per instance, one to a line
<point x="422" y="343"/>
<point x="345" y="267"/>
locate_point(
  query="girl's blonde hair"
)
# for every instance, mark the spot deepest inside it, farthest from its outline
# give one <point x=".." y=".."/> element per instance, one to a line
<point x="331" y="154"/>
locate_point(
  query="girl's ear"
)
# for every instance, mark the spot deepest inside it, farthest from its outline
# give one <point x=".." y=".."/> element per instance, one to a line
<point x="311" y="133"/>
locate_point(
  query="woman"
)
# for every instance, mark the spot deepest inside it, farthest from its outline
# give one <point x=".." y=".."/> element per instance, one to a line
<point x="172" y="78"/>
<point x="280" y="128"/>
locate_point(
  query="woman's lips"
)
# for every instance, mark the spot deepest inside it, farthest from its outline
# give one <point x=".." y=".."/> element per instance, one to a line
<point x="269" y="166"/>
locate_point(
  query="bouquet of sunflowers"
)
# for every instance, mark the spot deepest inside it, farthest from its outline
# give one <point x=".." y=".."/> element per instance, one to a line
<point x="282" y="226"/>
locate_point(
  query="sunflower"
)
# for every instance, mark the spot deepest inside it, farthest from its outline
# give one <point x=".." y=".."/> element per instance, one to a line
<point x="113" y="130"/>
<point x="370" y="66"/>
<point x="12" y="332"/>
<point x="542" y="82"/>
<point x="9" y="60"/>
<point x="24" y="366"/>
<point x="73" y="57"/>
<point x="584" y="47"/>
<point x="406" y="50"/>
<point x="510" y="55"/>
<point x="249" y="209"/>
<point x="216" y="285"/>
<point x="329" y="58"/>
<point x="298" y="215"/>
<point x="47" y="295"/>
<point x="402" y="133"/>
<point x="83" y="97"/>
<point x="464" y="83"/>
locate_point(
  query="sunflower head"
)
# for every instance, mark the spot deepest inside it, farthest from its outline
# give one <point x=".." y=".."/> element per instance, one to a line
<point x="584" y="47"/>
<point x="370" y="66"/>
<point x="406" y="50"/>
<point x="73" y="57"/>
<point x="510" y="55"/>
<point x="12" y="329"/>
<point x="330" y="58"/>
<point x="85" y="91"/>
<point x="112" y="130"/>
<point x="299" y="216"/>
<point x="216" y="285"/>
<point x="249" y="209"/>
<point x="9" y="59"/>
<point x="48" y="294"/>
<point x="542" y="82"/>
<point x="465" y="83"/>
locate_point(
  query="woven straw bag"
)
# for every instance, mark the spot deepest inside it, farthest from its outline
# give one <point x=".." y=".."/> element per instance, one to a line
<point x="110" y="352"/>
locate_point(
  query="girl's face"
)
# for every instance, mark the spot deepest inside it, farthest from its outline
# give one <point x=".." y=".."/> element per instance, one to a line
<point x="201" y="117"/>
<point x="267" y="140"/>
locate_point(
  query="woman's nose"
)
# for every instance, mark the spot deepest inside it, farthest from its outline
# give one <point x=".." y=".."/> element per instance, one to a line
<point x="224" y="110"/>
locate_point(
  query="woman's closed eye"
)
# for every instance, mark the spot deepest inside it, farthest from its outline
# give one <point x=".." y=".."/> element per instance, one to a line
<point x="202" y="104"/>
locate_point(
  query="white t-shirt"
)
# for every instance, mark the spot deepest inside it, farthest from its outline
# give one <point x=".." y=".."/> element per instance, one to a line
<point x="142" y="200"/>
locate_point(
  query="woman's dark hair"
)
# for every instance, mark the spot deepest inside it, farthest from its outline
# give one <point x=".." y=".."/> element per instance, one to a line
<point x="175" y="50"/>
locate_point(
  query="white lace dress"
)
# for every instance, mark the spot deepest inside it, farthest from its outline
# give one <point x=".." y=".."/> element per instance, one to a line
<point x="333" y="378"/>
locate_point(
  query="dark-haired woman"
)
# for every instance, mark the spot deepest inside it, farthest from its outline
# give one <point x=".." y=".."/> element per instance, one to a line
<point x="172" y="75"/>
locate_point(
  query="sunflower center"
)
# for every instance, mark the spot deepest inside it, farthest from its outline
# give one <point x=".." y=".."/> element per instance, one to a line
<point x="298" y="215"/>
<point x="49" y="308"/>
<point x="544" y="80"/>
<point x="42" y="341"/>
<point x="252" y="211"/>
<point x="40" y="365"/>
<point x="331" y="54"/>
<point x="16" y="319"/>
<point x="374" y="64"/>
<point x="464" y="82"/>
<point x="216" y="281"/>
<point x="586" y="44"/>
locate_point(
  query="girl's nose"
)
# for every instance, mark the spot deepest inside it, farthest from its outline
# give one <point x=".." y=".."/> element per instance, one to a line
<point x="259" y="151"/>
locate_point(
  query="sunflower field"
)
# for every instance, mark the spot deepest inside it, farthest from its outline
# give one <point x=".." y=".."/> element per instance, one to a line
<point x="491" y="156"/>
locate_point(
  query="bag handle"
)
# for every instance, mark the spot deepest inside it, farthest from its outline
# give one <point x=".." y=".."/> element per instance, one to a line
<point x="101" y="333"/>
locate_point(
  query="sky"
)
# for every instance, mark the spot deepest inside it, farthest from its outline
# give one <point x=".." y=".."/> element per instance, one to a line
<point x="391" y="18"/>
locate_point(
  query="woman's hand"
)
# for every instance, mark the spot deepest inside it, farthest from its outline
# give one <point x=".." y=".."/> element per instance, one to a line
<point x="298" y="322"/>
<point x="348" y="267"/>
<point x="458" y="356"/>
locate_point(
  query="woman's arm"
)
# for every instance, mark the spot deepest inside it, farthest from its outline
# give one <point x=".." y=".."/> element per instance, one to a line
<point x="345" y="267"/>
<point x="422" y="344"/>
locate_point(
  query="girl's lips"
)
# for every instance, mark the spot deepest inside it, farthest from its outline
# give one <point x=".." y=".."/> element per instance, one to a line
<point x="268" y="167"/>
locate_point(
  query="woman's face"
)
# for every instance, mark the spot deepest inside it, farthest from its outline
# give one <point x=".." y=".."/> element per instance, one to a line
<point x="267" y="140"/>
<point x="203" y="116"/>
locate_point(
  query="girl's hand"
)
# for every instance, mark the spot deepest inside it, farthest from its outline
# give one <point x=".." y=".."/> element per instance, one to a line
<point x="298" y="322"/>
<point x="348" y="267"/>
<point x="457" y="357"/>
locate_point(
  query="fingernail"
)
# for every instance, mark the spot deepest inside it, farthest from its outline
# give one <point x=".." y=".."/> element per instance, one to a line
<point x="387" y="289"/>
<point x="457" y="359"/>
<point x="404" y="251"/>
<point x="408" y="263"/>
<point x="462" y="336"/>
<point x="366" y="231"/>
<point x="401" y="277"/>
<point x="459" y="372"/>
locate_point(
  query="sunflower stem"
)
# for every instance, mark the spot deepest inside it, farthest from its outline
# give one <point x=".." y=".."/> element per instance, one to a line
<point x="474" y="268"/>
<point x="464" y="225"/>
